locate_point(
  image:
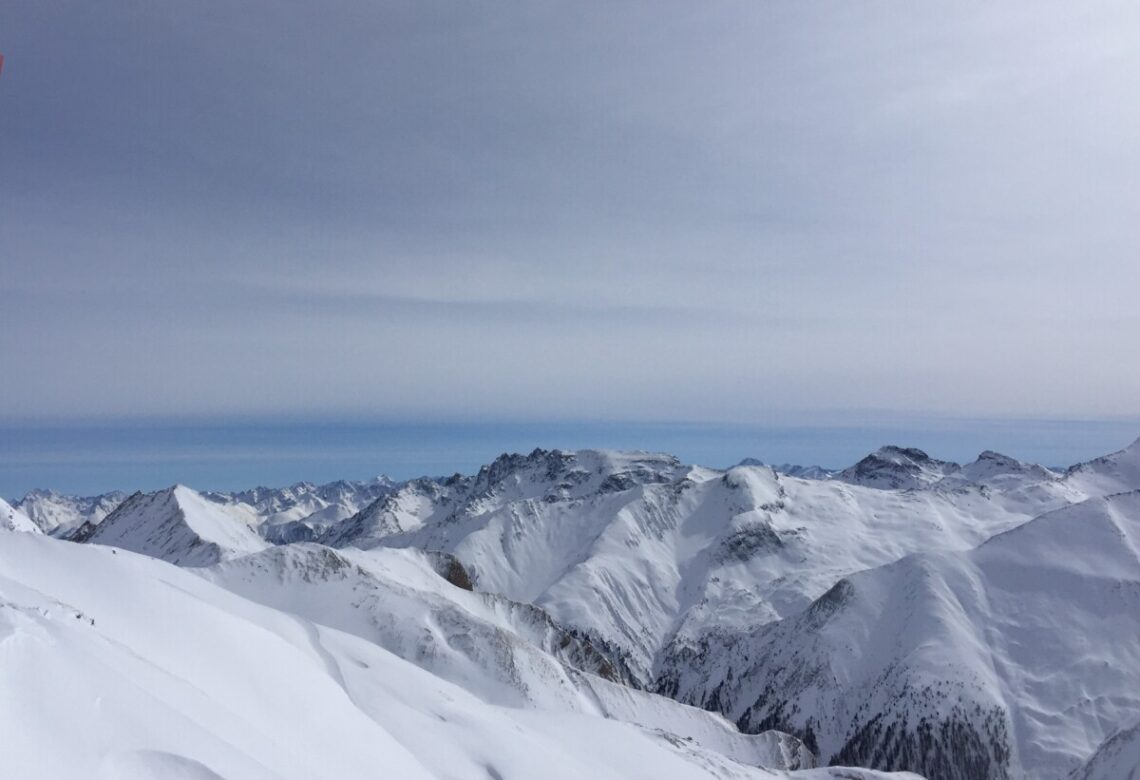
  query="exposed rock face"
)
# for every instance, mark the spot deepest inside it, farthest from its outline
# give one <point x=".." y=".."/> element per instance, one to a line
<point x="898" y="468"/>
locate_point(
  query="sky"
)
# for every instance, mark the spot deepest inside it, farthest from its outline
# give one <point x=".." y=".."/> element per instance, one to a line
<point x="578" y="217"/>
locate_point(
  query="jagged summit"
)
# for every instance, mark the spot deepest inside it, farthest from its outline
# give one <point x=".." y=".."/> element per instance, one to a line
<point x="546" y="476"/>
<point x="303" y="509"/>
<point x="59" y="514"/>
<point x="578" y="471"/>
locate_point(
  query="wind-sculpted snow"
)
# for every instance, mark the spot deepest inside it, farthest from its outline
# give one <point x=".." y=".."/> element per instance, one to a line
<point x="121" y="667"/>
<point x="1014" y="659"/>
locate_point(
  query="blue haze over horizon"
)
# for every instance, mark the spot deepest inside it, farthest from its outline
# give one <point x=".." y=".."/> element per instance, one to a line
<point x="92" y="458"/>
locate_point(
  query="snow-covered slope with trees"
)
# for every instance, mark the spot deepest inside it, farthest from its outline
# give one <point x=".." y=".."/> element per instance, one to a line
<point x="1014" y="659"/>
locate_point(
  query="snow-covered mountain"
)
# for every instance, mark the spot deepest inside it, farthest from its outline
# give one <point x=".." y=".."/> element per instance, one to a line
<point x="898" y="468"/>
<point x="176" y="525"/>
<point x="507" y="653"/>
<point x="122" y="666"/>
<point x="966" y="621"/>
<point x="646" y="552"/>
<point x="58" y="515"/>
<point x="1014" y="659"/>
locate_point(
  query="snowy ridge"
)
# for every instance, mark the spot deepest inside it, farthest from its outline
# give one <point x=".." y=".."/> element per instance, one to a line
<point x="177" y="525"/>
<point x="1114" y="473"/>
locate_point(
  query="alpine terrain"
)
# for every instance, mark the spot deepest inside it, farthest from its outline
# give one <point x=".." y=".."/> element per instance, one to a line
<point x="590" y="613"/>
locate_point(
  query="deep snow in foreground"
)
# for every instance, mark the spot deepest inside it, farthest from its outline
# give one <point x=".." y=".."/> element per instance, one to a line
<point x="557" y="613"/>
<point x="119" y="666"/>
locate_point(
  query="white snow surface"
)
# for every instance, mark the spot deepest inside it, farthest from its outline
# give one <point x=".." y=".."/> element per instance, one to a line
<point x="12" y="519"/>
<point x="507" y="653"/>
<point x="1117" y="759"/>
<point x="119" y="666"/>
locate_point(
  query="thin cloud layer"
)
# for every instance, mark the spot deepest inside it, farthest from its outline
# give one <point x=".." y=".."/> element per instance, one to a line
<point x="638" y="211"/>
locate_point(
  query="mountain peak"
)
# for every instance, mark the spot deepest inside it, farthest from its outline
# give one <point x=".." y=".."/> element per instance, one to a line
<point x="897" y="468"/>
<point x="176" y="524"/>
<point x="895" y="453"/>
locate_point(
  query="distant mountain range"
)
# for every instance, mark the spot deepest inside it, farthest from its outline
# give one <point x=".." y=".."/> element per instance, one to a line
<point x="902" y="614"/>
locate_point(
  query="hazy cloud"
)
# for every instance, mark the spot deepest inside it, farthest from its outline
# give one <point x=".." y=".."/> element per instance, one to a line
<point x="725" y="211"/>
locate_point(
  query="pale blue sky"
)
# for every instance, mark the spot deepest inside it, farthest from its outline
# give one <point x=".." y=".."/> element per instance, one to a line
<point x="737" y="213"/>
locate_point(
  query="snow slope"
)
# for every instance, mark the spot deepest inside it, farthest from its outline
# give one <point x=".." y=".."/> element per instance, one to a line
<point x="119" y="666"/>
<point x="12" y="519"/>
<point x="1114" y="473"/>
<point x="177" y="525"/>
<point x="507" y="653"/>
<point x="1014" y="659"/>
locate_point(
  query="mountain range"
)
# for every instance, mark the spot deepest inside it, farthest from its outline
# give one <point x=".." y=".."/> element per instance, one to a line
<point x="632" y="615"/>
